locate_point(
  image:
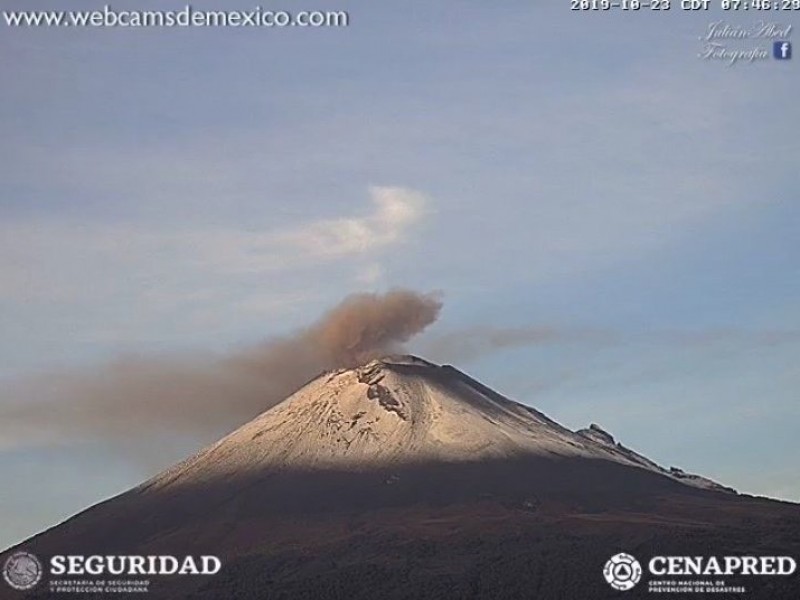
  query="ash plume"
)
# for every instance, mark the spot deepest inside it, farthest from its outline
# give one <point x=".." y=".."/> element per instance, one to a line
<point x="130" y="398"/>
<point x="475" y="342"/>
<point x="366" y="325"/>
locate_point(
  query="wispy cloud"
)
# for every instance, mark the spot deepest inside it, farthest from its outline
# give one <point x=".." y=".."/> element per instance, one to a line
<point x="475" y="342"/>
<point x="478" y="341"/>
<point x="63" y="261"/>
<point x="395" y="211"/>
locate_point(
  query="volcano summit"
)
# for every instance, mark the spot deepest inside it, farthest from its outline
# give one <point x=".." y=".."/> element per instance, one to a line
<point x="400" y="478"/>
<point x="391" y="413"/>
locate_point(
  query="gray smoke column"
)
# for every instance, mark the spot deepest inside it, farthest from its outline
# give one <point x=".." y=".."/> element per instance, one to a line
<point x="207" y="395"/>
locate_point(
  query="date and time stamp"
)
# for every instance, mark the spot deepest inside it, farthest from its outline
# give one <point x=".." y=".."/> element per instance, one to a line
<point x="721" y="41"/>
<point x="687" y="5"/>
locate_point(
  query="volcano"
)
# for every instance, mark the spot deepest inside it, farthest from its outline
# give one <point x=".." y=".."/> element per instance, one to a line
<point x="400" y="478"/>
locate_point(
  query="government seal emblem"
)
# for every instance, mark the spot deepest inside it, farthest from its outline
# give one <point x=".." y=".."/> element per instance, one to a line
<point x="22" y="570"/>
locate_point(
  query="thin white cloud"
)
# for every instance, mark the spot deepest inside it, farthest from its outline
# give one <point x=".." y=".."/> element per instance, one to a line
<point x="396" y="210"/>
<point x="59" y="261"/>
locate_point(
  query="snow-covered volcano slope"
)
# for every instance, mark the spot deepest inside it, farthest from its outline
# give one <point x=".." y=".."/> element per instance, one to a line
<point x="393" y="411"/>
<point x="403" y="479"/>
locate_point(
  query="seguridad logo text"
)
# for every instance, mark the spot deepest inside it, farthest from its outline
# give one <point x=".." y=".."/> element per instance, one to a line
<point x="23" y="570"/>
<point x="134" y="565"/>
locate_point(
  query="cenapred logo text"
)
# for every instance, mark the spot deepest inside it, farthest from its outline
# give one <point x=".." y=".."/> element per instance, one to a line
<point x="622" y="571"/>
<point x="726" y="565"/>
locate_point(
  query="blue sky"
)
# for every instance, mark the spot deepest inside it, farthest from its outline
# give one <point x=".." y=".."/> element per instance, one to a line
<point x="179" y="190"/>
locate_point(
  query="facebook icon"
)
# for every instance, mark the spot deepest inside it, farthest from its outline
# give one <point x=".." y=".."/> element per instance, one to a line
<point x="782" y="50"/>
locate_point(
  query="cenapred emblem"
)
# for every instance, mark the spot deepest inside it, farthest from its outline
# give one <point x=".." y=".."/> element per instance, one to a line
<point x="22" y="570"/>
<point x="622" y="571"/>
